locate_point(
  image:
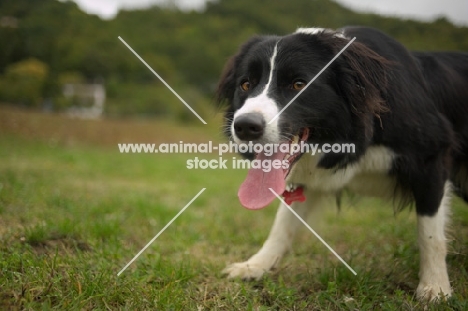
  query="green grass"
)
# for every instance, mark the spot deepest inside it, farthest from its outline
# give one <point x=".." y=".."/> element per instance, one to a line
<point x="73" y="214"/>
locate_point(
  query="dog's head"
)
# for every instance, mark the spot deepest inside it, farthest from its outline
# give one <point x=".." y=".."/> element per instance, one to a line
<point x="339" y="106"/>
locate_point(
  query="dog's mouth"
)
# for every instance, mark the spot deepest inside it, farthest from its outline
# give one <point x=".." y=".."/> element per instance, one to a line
<point x="254" y="192"/>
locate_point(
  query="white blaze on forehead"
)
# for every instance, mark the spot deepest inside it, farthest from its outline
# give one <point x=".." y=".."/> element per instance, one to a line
<point x="272" y="68"/>
<point x="315" y="31"/>
<point x="264" y="105"/>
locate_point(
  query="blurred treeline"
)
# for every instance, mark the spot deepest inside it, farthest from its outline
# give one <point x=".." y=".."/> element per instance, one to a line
<point x="46" y="43"/>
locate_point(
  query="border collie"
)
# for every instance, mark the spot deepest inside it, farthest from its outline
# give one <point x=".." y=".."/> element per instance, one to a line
<point x="406" y="114"/>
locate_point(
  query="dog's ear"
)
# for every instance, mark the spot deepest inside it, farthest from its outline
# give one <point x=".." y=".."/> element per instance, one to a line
<point x="362" y="80"/>
<point x="228" y="81"/>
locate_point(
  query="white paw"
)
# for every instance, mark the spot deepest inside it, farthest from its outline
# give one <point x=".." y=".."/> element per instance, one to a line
<point x="433" y="292"/>
<point x="245" y="270"/>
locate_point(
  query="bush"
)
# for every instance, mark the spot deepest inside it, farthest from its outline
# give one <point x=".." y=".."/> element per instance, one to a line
<point x="23" y="82"/>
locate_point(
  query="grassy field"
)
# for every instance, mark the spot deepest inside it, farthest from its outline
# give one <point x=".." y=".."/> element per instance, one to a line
<point x="74" y="211"/>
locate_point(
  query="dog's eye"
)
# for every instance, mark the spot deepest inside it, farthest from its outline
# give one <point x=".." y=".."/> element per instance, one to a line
<point x="245" y="86"/>
<point x="298" y="85"/>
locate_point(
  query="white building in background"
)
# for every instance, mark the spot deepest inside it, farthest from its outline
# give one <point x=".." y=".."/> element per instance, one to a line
<point x="88" y="100"/>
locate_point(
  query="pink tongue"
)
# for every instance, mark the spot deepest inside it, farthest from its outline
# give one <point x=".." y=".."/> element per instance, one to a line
<point x="254" y="193"/>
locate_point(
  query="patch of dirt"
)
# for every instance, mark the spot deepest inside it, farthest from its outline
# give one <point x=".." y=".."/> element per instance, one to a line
<point x="61" y="129"/>
<point x="61" y="244"/>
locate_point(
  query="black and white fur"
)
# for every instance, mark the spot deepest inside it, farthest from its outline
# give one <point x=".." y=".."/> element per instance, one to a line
<point x="406" y="113"/>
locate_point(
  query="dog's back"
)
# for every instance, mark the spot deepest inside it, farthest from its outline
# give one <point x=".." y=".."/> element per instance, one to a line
<point x="446" y="76"/>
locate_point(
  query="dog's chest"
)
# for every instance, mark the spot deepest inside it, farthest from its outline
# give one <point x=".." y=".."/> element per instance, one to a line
<point x="369" y="176"/>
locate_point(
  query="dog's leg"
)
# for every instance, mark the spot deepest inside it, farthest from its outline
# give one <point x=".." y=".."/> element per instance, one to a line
<point x="279" y="240"/>
<point x="434" y="282"/>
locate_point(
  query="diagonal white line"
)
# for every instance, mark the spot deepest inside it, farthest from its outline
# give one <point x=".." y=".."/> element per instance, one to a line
<point x="310" y="82"/>
<point x="313" y="231"/>
<point x="162" y="80"/>
<point x="160" y="232"/>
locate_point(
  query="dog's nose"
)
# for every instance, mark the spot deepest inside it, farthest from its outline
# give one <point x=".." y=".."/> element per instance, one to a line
<point x="249" y="126"/>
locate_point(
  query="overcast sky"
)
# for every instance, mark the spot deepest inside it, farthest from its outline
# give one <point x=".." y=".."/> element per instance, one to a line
<point x="455" y="10"/>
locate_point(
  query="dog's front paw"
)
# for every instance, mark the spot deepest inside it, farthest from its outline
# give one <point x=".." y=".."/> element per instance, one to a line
<point x="245" y="270"/>
<point x="433" y="292"/>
